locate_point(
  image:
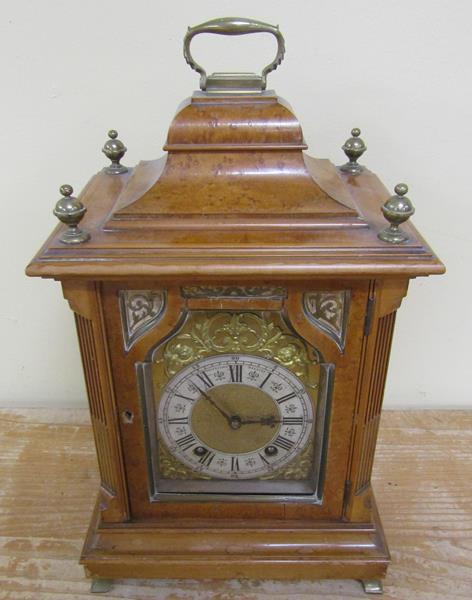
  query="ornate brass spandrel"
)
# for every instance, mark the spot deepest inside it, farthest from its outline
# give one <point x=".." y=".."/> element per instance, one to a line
<point x="171" y="468"/>
<point x="328" y="311"/>
<point x="140" y="311"/>
<point x="207" y="291"/>
<point x="300" y="468"/>
<point x="260" y="333"/>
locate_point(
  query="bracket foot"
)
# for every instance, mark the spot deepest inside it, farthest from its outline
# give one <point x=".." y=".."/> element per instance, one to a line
<point x="101" y="586"/>
<point x="372" y="586"/>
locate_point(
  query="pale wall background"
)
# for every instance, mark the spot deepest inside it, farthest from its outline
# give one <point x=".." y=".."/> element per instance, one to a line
<point x="399" y="70"/>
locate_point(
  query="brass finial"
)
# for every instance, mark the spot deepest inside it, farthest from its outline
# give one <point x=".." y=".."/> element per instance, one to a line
<point x="396" y="210"/>
<point x="114" y="149"/>
<point x="353" y="148"/>
<point x="70" y="211"/>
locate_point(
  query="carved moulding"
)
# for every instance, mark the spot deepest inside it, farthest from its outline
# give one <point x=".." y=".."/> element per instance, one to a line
<point x="204" y="291"/>
<point x="328" y="311"/>
<point x="140" y="310"/>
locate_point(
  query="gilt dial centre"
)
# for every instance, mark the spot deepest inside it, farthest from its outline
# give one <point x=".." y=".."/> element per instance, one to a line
<point x="243" y="429"/>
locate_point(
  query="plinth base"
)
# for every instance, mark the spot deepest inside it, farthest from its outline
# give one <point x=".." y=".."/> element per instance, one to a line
<point x="236" y="550"/>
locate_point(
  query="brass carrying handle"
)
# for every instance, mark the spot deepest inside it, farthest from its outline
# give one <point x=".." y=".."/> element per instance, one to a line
<point x="233" y="26"/>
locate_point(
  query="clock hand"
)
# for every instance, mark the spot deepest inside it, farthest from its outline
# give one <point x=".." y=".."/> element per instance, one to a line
<point x="262" y="421"/>
<point x="235" y="421"/>
<point x="226" y="415"/>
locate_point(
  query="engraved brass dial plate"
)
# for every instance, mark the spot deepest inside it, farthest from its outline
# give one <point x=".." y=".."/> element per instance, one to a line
<point x="235" y="416"/>
<point x="203" y="443"/>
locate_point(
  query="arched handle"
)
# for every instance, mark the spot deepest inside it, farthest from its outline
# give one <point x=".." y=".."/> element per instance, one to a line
<point x="234" y="26"/>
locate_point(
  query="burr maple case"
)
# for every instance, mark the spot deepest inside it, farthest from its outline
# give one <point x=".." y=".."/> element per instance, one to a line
<point x="235" y="303"/>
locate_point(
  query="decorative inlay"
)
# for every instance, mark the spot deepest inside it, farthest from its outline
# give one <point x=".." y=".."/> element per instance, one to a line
<point x="202" y="291"/>
<point x="328" y="311"/>
<point x="140" y="310"/>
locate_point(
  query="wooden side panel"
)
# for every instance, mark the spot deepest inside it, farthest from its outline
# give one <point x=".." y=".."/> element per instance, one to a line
<point x="84" y="299"/>
<point x="98" y="414"/>
<point x="384" y="298"/>
<point x="371" y="418"/>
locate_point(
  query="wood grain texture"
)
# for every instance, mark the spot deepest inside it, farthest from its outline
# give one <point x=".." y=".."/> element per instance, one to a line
<point x="49" y="478"/>
<point x="376" y="384"/>
<point x="234" y="197"/>
<point x="342" y="405"/>
<point x="90" y="331"/>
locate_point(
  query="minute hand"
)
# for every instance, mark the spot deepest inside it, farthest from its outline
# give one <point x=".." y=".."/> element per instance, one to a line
<point x="226" y="415"/>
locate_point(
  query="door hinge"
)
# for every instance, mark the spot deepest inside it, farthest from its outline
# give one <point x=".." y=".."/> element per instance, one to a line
<point x="369" y="313"/>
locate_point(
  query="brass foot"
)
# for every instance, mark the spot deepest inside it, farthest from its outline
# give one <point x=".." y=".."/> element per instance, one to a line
<point x="372" y="586"/>
<point x="101" y="586"/>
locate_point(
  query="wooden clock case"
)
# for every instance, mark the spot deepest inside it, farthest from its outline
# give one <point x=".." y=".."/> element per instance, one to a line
<point x="234" y="210"/>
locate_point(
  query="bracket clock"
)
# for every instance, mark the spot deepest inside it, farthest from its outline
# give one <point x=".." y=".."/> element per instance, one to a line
<point x="235" y="303"/>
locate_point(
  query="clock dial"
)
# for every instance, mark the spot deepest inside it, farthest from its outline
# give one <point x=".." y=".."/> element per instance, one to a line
<point x="235" y="416"/>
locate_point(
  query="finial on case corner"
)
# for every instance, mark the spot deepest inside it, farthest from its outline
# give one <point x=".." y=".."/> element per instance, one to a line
<point x="70" y="210"/>
<point x="397" y="209"/>
<point x="353" y="148"/>
<point x="114" y="149"/>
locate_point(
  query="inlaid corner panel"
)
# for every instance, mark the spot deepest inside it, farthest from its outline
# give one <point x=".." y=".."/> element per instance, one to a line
<point x="328" y="311"/>
<point x="140" y="311"/>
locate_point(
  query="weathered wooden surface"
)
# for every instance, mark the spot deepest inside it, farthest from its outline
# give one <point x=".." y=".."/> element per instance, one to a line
<point x="48" y="484"/>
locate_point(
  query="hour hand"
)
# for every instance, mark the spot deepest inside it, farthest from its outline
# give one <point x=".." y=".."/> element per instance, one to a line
<point x="270" y="420"/>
